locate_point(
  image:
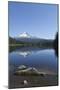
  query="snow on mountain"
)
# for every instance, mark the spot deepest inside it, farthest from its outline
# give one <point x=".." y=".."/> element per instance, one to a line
<point x="24" y="35"/>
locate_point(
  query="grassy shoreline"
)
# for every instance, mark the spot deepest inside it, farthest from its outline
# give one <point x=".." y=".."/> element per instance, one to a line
<point x="15" y="44"/>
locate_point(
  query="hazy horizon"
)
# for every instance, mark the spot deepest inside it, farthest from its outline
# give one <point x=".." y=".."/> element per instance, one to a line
<point x="38" y="20"/>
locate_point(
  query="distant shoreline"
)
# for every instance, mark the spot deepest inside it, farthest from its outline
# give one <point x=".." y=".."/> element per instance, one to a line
<point x="15" y="44"/>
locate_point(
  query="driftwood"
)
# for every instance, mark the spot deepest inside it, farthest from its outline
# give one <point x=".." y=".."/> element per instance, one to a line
<point x="23" y="70"/>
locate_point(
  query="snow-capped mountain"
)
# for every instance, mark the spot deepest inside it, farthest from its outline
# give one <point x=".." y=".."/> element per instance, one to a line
<point x="24" y="35"/>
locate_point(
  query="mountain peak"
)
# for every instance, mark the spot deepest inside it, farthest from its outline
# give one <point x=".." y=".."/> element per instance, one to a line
<point x="24" y="35"/>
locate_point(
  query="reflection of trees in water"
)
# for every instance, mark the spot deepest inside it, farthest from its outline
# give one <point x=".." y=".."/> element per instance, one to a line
<point x="13" y="48"/>
<point x="55" y="44"/>
<point x="25" y="49"/>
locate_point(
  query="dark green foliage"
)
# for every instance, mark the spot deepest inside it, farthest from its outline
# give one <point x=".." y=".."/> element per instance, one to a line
<point x="55" y="44"/>
<point x="11" y="40"/>
<point x="42" y="43"/>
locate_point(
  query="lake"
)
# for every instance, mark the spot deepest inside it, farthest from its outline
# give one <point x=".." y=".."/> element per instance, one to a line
<point x="43" y="60"/>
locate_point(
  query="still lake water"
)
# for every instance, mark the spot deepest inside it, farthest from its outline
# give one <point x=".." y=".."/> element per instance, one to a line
<point x="44" y="60"/>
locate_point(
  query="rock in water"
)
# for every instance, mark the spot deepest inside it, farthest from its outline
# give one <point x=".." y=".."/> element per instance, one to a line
<point x="25" y="82"/>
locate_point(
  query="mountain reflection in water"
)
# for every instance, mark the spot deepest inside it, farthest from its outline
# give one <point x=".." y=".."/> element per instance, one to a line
<point x="34" y="57"/>
<point x="26" y="51"/>
<point x="24" y="54"/>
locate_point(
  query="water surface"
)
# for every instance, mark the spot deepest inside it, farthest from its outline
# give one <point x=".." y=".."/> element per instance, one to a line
<point x="44" y="60"/>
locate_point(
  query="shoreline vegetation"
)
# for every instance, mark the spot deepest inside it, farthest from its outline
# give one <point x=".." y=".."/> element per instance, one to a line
<point x="15" y="45"/>
<point x="26" y="45"/>
<point x="42" y="43"/>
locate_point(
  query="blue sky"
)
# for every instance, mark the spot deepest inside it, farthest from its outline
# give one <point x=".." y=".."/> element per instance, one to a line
<point x="38" y="20"/>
